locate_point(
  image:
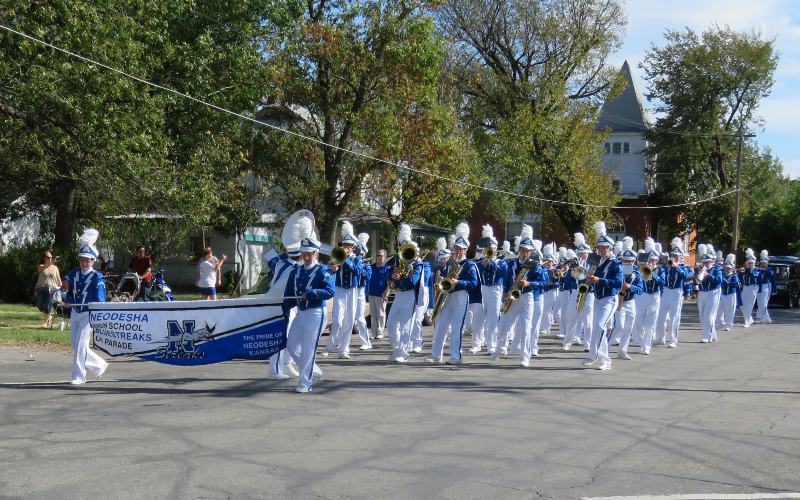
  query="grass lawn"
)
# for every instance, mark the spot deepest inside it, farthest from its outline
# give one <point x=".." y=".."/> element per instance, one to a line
<point x="20" y="325"/>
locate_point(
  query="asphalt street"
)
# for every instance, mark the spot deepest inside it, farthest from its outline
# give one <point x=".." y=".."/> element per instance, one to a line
<point x="699" y="419"/>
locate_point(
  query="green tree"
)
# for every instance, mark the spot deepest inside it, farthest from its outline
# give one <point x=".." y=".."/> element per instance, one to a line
<point x="78" y="142"/>
<point x="707" y="89"/>
<point x="774" y="222"/>
<point x="531" y="76"/>
<point x="354" y="75"/>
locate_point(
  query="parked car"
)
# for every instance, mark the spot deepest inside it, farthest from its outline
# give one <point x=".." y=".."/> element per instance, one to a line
<point x="787" y="281"/>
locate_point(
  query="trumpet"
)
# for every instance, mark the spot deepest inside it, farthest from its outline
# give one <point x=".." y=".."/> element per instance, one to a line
<point x="558" y="274"/>
<point x="490" y="253"/>
<point x="339" y="255"/>
<point x="646" y="271"/>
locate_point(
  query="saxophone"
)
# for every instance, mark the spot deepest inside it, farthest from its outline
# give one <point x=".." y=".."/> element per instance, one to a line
<point x="515" y="292"/>
<point x="444" y="286"/>
<point x="583" y="289"/>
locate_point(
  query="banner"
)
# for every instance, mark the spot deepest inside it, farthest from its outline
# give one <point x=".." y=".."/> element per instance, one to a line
<point x="190" y="332"/>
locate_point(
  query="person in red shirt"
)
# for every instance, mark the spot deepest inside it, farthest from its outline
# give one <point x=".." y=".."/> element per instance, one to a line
<point x="142" y="264"/>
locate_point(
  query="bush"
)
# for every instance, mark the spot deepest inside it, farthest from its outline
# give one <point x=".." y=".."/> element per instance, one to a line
<point x="19" y="274"/>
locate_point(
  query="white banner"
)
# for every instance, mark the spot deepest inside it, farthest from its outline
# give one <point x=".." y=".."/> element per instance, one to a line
<point x="190" y="332"/>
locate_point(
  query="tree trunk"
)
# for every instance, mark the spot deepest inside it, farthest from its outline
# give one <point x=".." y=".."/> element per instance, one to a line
<point x="66" y="205"/>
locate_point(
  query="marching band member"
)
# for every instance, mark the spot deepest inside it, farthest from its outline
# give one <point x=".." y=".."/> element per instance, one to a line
<point x="607" y="280"/>
<point x="519" y="315"/>
<point x="583" y="325"/>
<point x="421" y="304"/>
<point x="632" y="287"/>
<point x="348" y="275"/>
<point x="361" y="294"/>
<point x="84" y="285"/>
<point x="441" y="268"/>
<point x="314" y="284"/>
<point x="709" y="278"/>
<point x="566" y="296"/>
<point x="550" y="296"/>
<point x="669" y="312"/>
<point x="402" y="313"/>
<point x="538" y="299"/>
<point x="281" y="266"/>
<point x="450" y="319"/>
<point x="749" y="280"/>
<point x="730" y="285"/>
<point x="766" y="287"/>
<point x="492" y="274"/>
<point x="647" y="303"/>
<point x="377" y="294"/>
<point x="616" y="253"/>
<point x="562" y="261"/>
<point x="475" y="317"/>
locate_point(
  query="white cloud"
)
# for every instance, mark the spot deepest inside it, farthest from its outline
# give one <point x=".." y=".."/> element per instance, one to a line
<point x="780" y="114"/>
<point x="792" y="168"/>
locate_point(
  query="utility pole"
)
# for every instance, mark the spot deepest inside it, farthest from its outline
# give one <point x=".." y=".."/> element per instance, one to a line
<point x="738" y="191"/>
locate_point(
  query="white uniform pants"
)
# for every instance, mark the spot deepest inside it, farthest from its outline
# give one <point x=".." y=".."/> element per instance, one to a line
<point x="277" y="362"/>
<point x="302" y="341"/>
<point x="419" y="314"/>
<point x="451" y="321"/>
<point x="557" y="312"/>
<point x="726" y="310"/>
<point x="585" y="318"/>
<point x="669" y="315"/>
<point x="598" y="344"/>
<point x="536" y="322"/>
<point x="569" y="316"/>
<point x="478" y="321"/>
<point x="626" y="318"/>
<point x="549" y="301"/>
<point x="749" y="293"/>
<point x="647" y="305"/>
<point x="377" y="313"/>
<point x="83" y="357"/>
<point x="707" y="303"/>
<point x="400" y="322"/>
<point x="492" y="301"/>
<point x="361" y="319"/>
<point x="763" y="304"/>
<point x="518" y="320"/>
<point x="344" y="317"/>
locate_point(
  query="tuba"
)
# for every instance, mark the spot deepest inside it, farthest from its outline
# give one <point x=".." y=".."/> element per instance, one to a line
<point x="407" y="254"/>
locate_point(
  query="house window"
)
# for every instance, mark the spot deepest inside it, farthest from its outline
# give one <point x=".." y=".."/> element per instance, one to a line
<point x="608" y="148"/>
<point x="617" y="148"/>
<point x="626" y="148"/>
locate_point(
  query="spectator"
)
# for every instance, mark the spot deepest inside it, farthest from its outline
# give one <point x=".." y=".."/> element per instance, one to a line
<point x="208" y="275"/>
<point x="48" y="282"/>
<point x="377" y="294"/>
<point x="142" y="264"/>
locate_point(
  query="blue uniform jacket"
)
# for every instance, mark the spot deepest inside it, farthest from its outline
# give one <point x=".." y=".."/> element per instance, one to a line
<point x="567" y="283"/>
<point x="750" y="277"/>
<point x="379" y="277"/>
<point x="712" y="279"/>
<point x="424" y="277"/>
<point x="493" y="273"/>
<point x="730" y="284"/>
<point x="656" y="284"/>
<point x="317" y="283"/>
<point x="409" y="283"/>
<point x="535" y="277"/>
<point x="349" y="272"/>
<point x="637" y="285"/>
<point x="84" y="289"/>
<point x="366" y="274"/>
<point x="767" y="277"/>
<point x="468" y="280"/>
<point x="610" y="274"/>
<point x="280" y="264"/>
<point x="675" y="277"/>
<point x="552" y="281"/>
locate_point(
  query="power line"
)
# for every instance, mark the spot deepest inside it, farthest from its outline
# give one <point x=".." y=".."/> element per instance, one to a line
<point x="345" y="150"/>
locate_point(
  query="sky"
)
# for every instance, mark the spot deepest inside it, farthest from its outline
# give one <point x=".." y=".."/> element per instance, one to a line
<point x="778" y="19"/>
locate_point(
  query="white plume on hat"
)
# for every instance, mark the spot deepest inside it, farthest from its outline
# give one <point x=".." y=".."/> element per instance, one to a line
<point x="562" y="252"/>
<point x="676" y="242"/>
<point x="701" y="250"/>
<point x="517" y="239"/>
<point x="649" y="244"/>
<point x="627" y="243"/>
<point x="363" y="238"/>
<point x="730" y="260"/>
<point x="764" y="255"/>
<point x="580" y="239"/>
<point x="441" y="244"/>
<point x="599" y="229"/>
<point x="347" y="229"/>
<point x="549" y="249"/>
<point x="571" y="254"/>
<point x="462" y="230"/>
<point x="719" y="254"/>
<point x="404" y="234"/>
<point x="506" y="246"/>
<point x="617" y="247"/>
<point x="487" y="231"/>
<point x="89" y="237"/>
<point x="303" y="228"/>
<point x="749" y="254"/>
<point x="658" y="248"/>
<point x="526" y="232"/>
<point x="710" y="251"/>
<point x="537" y="245"/>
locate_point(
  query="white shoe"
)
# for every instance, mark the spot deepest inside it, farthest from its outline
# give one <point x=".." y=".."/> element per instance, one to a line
<point x="278" y="376"/>
<point x="566" y="347"/>
<point x="453" y="361"/>
<point x="746" y="325"/>
<point x="525" y="363"/>
<point x="325" y="354"/>
<point x="292" y="370"/>
<point x="494" y="356"/>
<point x="704" y="341"/>
<point x="77" y="382"/>
<point x="673" y="344"/>
<point x="399" y="359"/>
<point x="344" y="355"/>
<point x="380" y="336"/>
<point x="577" y="341"/>
<point x="317" y="376"/>
<point x="302" y="390"/>
<point x="417" y="349"/>
<point x="623" y="355"/>
<point x="435" y="361"/>
<point x="646" y="352"/>
<point x="365" y="348"/>
<point x="535" y="354"/>
<point x="727" y="329"/>
<point x="101" y="372"/>
<point x="588" y="362"/>
<point x="560" y="336"/>
<point x="475" y="350"/>
<point x="603" y="366"/>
